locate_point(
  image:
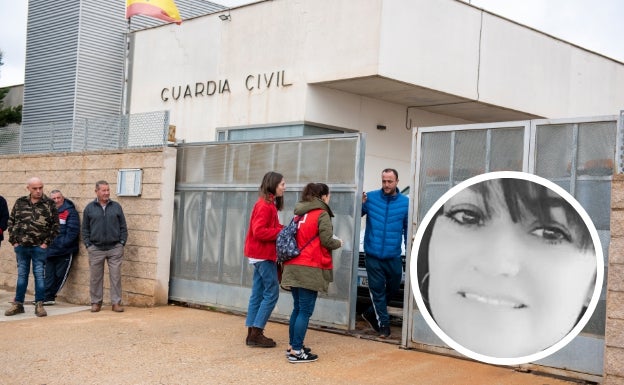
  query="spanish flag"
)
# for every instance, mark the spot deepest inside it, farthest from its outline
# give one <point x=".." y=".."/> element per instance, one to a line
<point x="160" y="9"/>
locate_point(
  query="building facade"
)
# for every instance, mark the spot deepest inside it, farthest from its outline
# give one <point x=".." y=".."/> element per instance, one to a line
<point x="394" y="64"/>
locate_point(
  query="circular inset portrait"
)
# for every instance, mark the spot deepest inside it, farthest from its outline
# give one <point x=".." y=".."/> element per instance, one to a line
<point x="508" y="268"/>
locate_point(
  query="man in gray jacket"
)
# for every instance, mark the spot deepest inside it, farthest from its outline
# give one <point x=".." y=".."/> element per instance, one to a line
<point x="104" y="233"/>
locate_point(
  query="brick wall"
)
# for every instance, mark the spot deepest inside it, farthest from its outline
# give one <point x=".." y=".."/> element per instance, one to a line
<point x="614" y="334"/>
<point x="145" y="270"/>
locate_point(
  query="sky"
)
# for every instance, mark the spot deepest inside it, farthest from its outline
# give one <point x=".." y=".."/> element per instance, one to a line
<point x="597" y="25"/>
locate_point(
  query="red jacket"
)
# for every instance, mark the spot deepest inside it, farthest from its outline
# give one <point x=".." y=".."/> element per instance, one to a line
<point x="313" y="255"/>
<point x="263" y="229"/>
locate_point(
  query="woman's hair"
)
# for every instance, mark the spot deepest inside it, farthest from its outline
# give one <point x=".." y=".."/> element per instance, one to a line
<point x="268" y="187"/>
<point x="422" y="261"/>
<point x="523" y="199"/>
<point x="314" y="190"/>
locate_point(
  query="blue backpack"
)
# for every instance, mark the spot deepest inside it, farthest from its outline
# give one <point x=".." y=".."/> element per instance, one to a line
<point x="286" y="242"/>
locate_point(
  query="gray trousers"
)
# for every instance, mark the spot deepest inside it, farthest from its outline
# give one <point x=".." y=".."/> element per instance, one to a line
<point x="96" y="267"/>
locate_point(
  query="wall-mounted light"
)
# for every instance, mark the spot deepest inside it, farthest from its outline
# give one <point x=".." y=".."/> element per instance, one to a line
<point x="381" y="127"/>
<point x="225" y="17"/>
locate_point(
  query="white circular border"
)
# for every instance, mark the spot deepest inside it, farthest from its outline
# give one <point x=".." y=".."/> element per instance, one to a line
<point x="599" y="268"/>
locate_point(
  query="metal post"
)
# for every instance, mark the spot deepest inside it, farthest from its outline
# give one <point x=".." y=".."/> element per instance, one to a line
<point x="124" y="95"/>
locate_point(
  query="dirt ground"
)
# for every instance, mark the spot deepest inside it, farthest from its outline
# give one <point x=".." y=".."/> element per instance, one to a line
<point x="180" y="345"/>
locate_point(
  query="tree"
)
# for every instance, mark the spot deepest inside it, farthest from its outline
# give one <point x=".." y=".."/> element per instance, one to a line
<point x="10" y="114"/>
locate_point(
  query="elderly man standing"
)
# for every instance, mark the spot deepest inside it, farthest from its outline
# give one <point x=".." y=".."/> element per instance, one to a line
<point x="104" y="233"/>
<point x="63" y="248"/>
<point x="33" y="224"/>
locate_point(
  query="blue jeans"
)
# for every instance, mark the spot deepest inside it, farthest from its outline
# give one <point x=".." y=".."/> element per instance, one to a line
<point x="24" y="255"/>
<point x="264" y="294"/>
<point x="384" y="281"/>
<point x="303" y="307"/>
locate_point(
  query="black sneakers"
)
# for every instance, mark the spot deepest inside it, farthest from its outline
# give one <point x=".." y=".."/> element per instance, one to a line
<point x="371" y="319"/>
<point x="302" y="356"/>
<point x="384" y="332"/>
<point x="305" y="349"/>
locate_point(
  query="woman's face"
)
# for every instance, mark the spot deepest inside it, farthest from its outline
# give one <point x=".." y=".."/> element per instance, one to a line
<point x="281" y="187"/>
<point x="506" y="289"/>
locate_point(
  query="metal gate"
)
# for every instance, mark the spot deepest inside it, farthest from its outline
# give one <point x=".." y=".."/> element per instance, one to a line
<point x="576" y="154"/>
<point x="216" y="188"/>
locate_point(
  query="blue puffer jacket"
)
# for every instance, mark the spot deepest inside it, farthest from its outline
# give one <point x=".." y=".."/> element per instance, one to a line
<point x="386" y="223"/>
<point x="67" y="240"/>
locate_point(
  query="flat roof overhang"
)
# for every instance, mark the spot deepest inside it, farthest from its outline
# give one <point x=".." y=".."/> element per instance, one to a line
<point x="437" y="102"/>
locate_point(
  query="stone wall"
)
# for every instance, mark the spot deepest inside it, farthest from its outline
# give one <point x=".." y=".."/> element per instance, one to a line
<point x="145" y="270"/>
<point x="614" y="334"/>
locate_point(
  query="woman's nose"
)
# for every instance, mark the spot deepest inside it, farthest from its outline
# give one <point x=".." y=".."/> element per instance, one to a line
<point x="502" y="256"/>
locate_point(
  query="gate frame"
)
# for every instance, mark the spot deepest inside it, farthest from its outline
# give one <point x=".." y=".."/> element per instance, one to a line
<point x="410" y="313"/>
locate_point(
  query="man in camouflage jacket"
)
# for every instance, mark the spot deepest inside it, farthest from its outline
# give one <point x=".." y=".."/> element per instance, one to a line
<point x="33" y="225"/>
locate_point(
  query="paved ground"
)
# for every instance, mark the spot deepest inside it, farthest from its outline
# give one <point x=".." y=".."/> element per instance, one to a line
<point x="179" y="345"/>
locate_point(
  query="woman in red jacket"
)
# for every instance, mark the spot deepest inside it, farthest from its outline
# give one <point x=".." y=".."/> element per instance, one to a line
<point x="263" y="228"/>
<point x="311" y="271"/>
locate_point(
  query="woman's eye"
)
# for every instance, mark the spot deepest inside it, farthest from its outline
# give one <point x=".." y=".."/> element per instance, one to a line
<point x="551" y="234"/>
<point x="465" y="217"/>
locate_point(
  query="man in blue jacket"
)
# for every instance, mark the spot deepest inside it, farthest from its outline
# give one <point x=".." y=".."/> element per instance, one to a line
<point x="63" y="248"/>
<point x="386" y="213"/>
<point x="4" y="217"/>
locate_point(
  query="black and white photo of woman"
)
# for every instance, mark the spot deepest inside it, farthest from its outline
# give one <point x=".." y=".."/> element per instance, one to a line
<point x="506" y="267"/>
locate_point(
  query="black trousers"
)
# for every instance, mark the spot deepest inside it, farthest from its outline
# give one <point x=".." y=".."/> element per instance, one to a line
<point x="56" y="271"/>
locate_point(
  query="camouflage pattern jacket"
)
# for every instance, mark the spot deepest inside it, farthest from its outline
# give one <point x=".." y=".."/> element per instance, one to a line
<point x="33" y="224"/>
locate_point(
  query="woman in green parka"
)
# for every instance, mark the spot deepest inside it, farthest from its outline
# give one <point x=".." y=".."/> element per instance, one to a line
<point x="311" y="271"/>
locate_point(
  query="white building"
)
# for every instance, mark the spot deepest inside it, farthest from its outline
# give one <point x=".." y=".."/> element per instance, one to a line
<point x="397" y="64"/>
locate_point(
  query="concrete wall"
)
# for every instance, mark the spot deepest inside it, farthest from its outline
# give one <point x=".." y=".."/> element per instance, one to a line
<point x="145" y="270"/>
<point x="14" y="97"/>
<point x="614" y="334"/>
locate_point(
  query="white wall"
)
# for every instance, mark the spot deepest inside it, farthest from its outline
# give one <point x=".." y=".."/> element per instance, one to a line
<point x="431" y="43"/>
<point x="301" y="38"/>
<point x="385" y="148"/>
<point x="458" y="49"/>
<point x="443" y="45"/>
<point x="529" y="71"/>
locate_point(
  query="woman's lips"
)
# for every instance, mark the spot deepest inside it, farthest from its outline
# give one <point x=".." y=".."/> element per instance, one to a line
<point x="493" y="301"/>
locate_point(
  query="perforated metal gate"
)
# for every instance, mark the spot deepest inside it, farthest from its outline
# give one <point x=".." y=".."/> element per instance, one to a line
<point x="216" y="188"/>
<point x="577" y="154"/>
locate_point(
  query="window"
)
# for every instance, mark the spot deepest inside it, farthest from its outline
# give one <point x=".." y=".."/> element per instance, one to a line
<point x="271" y="132"/>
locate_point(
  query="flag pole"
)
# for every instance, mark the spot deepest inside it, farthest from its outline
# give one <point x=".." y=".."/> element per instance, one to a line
<point x="124" y="95"/>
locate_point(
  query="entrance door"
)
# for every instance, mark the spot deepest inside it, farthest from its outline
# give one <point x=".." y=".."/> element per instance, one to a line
<point x="216" y="188"/>
<point x="577" y="154"/>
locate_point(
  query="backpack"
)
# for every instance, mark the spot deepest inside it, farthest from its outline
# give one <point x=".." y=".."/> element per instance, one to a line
<point x="286" y="242"/>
